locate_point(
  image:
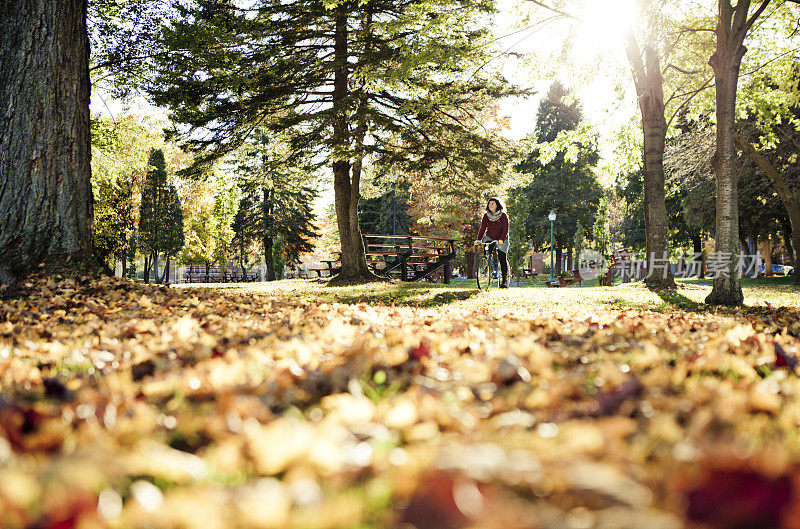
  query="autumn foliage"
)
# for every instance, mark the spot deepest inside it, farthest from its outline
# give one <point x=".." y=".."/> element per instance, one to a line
<point x="125" y="405"/>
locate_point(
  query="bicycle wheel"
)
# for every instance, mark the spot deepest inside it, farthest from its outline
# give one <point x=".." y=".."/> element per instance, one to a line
<point x="483" y="272"/>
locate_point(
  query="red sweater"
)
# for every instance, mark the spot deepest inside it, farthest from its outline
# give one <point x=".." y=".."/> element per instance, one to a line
<point x="497" y="230"/>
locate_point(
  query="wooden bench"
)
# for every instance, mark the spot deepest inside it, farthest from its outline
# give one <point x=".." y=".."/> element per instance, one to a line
<point x="311" y="272"/>
<point x="411" y="257"/>
<point x="200" y="274"/>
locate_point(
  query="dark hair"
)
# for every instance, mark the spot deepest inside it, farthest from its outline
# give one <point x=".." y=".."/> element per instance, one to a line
<point x="500" y="205"/>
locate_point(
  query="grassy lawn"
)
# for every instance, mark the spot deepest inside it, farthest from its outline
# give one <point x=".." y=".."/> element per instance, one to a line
<point x="463" y="293"/>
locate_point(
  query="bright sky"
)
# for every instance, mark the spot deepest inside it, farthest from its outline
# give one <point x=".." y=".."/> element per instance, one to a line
<point x="587" y="56"/>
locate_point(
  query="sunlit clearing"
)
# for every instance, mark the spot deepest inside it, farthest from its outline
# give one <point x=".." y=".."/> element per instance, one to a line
<point x="603" y="27"/>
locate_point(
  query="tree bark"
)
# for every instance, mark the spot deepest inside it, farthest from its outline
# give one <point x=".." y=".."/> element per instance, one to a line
<point x="269" y="243"/>
<point x="745" y="248"/>
<point x="155" y="268"/>
<point x="346" y="191"/>
<point x="697" y="245"/>
<point x="790" y="198"/>
<point x="767" y="255"/>
<point x="558" y="258"/>
<point x="147" y="264"/>
<point x="268" y="258"/>
<point x="45" y="176"/>
<point x="732" y="27"/>
<point x="793" y="250"/>
<point x="165" y="277"/>
<point x="703" y="259"/>
<point x="650" y="92"/>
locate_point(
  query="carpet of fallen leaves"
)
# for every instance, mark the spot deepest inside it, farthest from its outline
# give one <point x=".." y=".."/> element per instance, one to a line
<point x="126" y="405"/>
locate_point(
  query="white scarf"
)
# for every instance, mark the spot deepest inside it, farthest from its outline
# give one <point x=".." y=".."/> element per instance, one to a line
<point x="494" y="217"/>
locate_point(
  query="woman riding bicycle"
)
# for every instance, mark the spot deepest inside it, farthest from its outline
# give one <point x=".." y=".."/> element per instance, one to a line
<point x="494" y="227"/>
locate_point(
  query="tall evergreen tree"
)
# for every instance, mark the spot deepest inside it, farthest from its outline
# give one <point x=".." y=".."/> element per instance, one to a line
<point x="277" y="201"/>
<point x="564" y="184"/>
<point x="396" y="79"/>
<point x="150" y="209"/>
<point x="172" y="240"/>
<point x="386" y="213"/>
<point x="160" y="218"/>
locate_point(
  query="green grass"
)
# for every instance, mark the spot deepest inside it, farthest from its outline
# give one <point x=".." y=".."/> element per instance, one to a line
<point x="689" y="296"/>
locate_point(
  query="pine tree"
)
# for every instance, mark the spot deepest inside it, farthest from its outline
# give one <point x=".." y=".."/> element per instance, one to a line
<point x="151" y="209"/>
<point x="160" y="218"/>
<point x="172" y="239"/>
<point x="277" y="202"/>
<point x="387" y="213"/>
<point x="400" y="80"/>
<point x="566" y="185"/>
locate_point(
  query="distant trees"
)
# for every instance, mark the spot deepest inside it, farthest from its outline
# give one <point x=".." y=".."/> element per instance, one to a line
<point x="387" y="213"/>
<point x="160" y="218"/>
<point x="767" y="183"/>
<point x="276" y="206"/>
<point x="565" y="183"/>
<point x="120" y="152"/>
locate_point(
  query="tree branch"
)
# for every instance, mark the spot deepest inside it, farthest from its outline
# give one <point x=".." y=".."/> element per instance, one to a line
<point x="777" y="179"/>
<point x="788" y="137"/>
<point x="691" y="95"/>
<point x="553" y="9"/>
<point x="755" y="15"/>
<point x="681" y="70"/>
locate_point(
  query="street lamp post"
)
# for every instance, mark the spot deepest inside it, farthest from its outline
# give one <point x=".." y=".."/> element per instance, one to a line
<point x="552" y="217"/>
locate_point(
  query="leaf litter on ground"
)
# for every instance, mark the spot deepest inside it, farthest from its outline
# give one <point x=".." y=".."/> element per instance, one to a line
<point x="129" y="405"/>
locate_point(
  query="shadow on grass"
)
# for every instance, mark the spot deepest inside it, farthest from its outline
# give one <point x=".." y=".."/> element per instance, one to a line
<point x="408" y="296"/>
<point x="678" y="301"/>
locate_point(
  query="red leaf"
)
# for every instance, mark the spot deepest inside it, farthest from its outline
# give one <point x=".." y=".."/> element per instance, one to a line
<point x="782" y="358"/>
<point x="739" y="499"/>
<point x="433" y="505"/>
<point x="423" y="350"/>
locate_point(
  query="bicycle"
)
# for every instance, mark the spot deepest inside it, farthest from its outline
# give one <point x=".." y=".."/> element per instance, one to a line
<point x="487" y="269"/>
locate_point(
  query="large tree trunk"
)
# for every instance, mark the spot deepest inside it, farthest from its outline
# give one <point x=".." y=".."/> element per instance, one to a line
<point x="794" y="251"/>
<point x="789" y="198"/>
<point x="650" y="92"/>
<point x="269" y="260"/>
<point x="346" y="191"/>
<point x="148" y="263"/>
<point x="45" y="176"/>
<point x="732" y="27"/>
<point x="704" y="259"/>
<point x="745" y="249"/>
